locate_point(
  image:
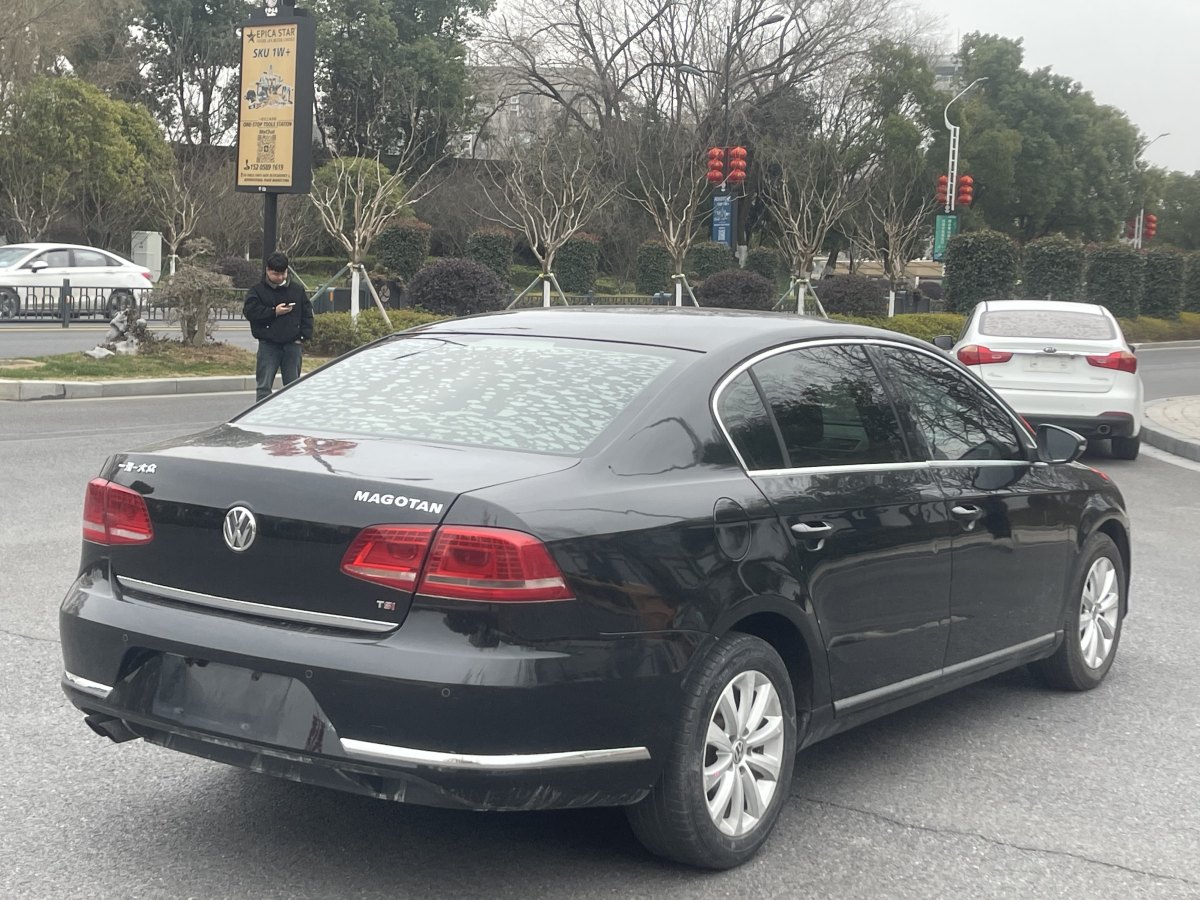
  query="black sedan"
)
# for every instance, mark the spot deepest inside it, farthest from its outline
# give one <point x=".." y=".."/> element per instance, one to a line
<point x="585" y="557"/>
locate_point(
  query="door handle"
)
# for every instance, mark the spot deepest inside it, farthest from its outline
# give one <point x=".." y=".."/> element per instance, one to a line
<point x="813" y="534"/>
<point x="967" y="513"/>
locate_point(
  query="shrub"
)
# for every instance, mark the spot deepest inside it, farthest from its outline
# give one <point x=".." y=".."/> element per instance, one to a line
<point x="1144" y="328"/>
<point x="1162" y="292"/>
<point x="318" y="266"/>
<point x="736" y="289"/>
<point x="980" y="265"/>
<point x="1115" y="278"/>
<point x="766" y="261"/>
<point x="1053" y="269"/>
<point x="925" y="326"/>
<point x="492" y="247"/>
<point x="456" y="287"/>
<point x="337" y="333"/>
<point x="1191" y="284"/>
<point x="653" y="267"/>
<point x="242" y="273"/>
<point x="576" y="264"/>
<point x="194" y="294"/>
<point x="402" y="249"/>
<point x="708" y="258"/>
<point x="853" y="295"/>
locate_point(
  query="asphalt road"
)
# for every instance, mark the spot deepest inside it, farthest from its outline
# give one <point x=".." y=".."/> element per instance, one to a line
<point x="999" y="790"/>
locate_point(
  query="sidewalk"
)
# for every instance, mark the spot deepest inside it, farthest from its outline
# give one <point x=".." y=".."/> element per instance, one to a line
<point x="1173" y="424"/>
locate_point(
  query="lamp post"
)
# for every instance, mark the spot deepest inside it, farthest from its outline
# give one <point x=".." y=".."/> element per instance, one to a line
<point x="1140" y="223"/>
<point x="952" y="162"/>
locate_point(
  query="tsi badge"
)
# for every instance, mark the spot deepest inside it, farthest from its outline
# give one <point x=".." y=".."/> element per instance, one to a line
<point x="240" y="529"/>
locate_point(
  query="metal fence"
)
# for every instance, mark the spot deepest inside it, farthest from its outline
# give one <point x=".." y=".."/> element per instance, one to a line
<point x="69" y="303"/>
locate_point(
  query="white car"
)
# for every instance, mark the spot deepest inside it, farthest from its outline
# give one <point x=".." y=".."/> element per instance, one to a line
<point x="32" y="276"/>
<point x="1055" y="362"/>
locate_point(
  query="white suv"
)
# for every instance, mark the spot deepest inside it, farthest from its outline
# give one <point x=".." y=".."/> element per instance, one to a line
<point x="32" y="275"/>
<point x="1063" y="363"/>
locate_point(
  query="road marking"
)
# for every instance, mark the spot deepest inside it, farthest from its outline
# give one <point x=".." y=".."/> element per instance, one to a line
<point x="1164" y="456"/>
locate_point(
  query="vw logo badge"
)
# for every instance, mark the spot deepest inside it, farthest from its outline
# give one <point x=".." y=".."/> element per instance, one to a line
<point x="240" y="529"/>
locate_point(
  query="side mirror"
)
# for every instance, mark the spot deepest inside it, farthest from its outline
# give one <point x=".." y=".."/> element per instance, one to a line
<point x="1057" y="445"/>
<point x="943" y="342"/>
<point x="37" y="265"/>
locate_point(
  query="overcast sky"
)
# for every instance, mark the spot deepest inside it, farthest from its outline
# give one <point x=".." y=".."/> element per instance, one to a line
<point x="1140" y="57"/>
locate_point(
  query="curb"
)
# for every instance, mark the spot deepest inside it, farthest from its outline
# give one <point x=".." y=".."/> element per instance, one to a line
<point x="1158" y="435"/>
<point x="14" y="389"/>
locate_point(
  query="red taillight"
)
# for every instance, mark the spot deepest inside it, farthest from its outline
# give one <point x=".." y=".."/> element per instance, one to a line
<point x="391" y="555"/>
<point x="459" y="563"/>
<point x="978" y="355"/>
<point x="113" y="514"/>
<point x="491" y="564"/>
<point x="146" y="274"/>
<point x="1121" y="360"/>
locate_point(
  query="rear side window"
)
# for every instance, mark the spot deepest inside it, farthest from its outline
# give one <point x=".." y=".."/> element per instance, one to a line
<point x="830" y="407"/>
<point x="746" y="419"/>
<point x="91" y="258"/>
<point x="1046" y="323"/>
<point x="544" y="395"/>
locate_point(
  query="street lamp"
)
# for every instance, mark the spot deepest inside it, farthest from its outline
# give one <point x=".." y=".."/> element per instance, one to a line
<point x="952" y="163"/>
<point x="1140" y="223"/>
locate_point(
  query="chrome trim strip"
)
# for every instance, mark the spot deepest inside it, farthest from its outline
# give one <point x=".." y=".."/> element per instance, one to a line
<point x="515" y="762"/>
<point x="867" y="697"/>
<point x="832" y="470"/>
<point x="258" y="609"/>
<point x="95" y="688"/>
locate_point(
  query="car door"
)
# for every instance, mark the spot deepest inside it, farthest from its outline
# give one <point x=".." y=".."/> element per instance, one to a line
<point x="869" y="528"/>
<point x="1013" y="536"/>
<point x="42" y="278"/>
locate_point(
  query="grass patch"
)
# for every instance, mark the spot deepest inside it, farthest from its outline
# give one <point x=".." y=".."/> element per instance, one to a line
<point x="162" y="359"/>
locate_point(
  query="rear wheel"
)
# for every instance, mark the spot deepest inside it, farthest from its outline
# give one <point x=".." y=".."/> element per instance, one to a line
<point x="1126" y="447"/>
<point x="117" y="301"/>
<point x="1092" y="629"/>
<point x="729" y="769"/>
<point x="10" y="304"/>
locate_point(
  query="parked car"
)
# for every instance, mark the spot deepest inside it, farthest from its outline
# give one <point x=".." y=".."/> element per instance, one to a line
<point x="589" y="557"/>
<point x="32" y="275"/>
<point x="1063" y="363"/>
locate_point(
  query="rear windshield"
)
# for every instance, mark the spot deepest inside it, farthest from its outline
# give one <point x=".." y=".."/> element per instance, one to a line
<point x="546" y="395"/>
<point x="1046" y="323"/>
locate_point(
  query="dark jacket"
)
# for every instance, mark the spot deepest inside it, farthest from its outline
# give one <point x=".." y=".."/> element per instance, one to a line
<point x="260" y="305"/>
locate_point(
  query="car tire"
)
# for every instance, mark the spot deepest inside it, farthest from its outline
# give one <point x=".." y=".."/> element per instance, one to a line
<point x="10" y="304"/>
<point x="1092" y="628"/>
<point x="1126" y="447"/>
<point x="117" y="301"/>
<point x="725" y="781"/>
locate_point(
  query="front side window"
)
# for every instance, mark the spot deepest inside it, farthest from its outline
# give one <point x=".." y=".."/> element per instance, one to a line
<point x="830" y="407"/>
<point x="545" y="395"/>
<point x="55" y="259"/>
<point x="954" y="417"/>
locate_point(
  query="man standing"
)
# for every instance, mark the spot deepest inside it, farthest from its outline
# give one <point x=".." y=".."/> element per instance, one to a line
<point x="281" y="317"/>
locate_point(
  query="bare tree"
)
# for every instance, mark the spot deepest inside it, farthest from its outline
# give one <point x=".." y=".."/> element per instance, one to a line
<point x="178" y="198"/>
<point x="896" y="213"/>
<point x="547" y="190"/>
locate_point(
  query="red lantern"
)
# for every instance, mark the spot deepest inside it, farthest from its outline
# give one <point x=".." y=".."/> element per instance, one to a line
<point x="1149" y="226"/>
<point x="738" y="153"/>
<point x="966" y="190"/>
<point x="716" y="165"/>
<point x="943" y="195"/>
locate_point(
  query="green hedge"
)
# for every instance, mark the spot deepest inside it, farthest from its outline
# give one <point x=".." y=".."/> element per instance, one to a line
<point x="980" y="265"/>
<point x="1053" y="269"/>
<point x="653" y="267"/>
<point x="402" y="249"/>
<point x="492" y="247"/>
<point x="853" y="295"/>
<point x="1115" y="278"/>
<point x="736" y="289"/>
<point x="925" y="326"/>
<point x="1145" y="328"/>
<point x="337" y="333"/>
<point x="707" y="258"/>
<point x="767" y="262"/>
<point x="457" y="287"/>
<point x="1162" y="295"/>
<point x="577" y="264"/>
<point x="1191" y="284"/>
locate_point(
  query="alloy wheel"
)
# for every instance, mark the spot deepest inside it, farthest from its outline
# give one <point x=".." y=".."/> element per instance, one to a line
<point x="1099" y="612"/>
<point x="743" y="753"/>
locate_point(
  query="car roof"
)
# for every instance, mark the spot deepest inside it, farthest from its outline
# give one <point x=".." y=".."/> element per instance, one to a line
<point x="36" y="246"/>
<point x="1048" y="305"/>
<point x="687" y="328"/>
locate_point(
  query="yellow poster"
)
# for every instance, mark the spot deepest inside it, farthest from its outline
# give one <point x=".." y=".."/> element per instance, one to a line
<point x="268" y="105"/>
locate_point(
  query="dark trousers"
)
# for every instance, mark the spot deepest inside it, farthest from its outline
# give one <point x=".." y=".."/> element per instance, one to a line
<point x="272" y="358"/>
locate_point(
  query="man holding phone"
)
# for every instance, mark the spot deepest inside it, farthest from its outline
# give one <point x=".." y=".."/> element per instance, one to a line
<point x="281" y="317"/>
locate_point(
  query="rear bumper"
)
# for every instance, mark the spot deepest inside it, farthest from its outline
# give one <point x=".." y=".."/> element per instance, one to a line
<point x="423" y="715"/>
<point x="1101" y="426"/>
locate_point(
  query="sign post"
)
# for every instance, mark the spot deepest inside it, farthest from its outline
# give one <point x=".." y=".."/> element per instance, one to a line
<point x="722" y="218"/>
<point x="275" y="109"/>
